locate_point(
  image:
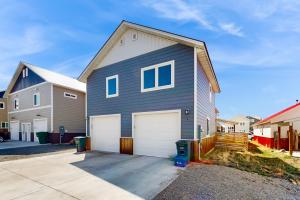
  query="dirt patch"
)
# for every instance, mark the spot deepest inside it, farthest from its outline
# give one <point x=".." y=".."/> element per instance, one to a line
<point x="220" y="182"/>
<point x="260" y="160"/>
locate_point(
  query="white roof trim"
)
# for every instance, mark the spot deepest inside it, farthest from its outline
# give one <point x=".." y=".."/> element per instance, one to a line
<point x="170" y="36"/>
<point x="48" y="76"/>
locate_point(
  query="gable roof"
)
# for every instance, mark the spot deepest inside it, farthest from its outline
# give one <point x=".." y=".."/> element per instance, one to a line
<point x="202" y="53"/>
<point x="48" y="76"/>
<point x="266" y="120"/>
<point x="2" y="94"/>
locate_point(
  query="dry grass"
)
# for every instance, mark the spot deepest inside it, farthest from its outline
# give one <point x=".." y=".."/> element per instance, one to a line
<point x="261" y="160"/>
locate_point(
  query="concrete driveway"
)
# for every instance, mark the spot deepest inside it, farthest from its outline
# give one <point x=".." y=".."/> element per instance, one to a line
<point x="85" y="176"/>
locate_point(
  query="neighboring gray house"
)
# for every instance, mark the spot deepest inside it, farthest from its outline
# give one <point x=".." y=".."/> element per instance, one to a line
<point x="148" y="88"/>
<point x="41" y="100"/>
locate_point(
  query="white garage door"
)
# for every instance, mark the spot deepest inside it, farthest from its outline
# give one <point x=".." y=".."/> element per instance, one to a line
<point x="155" y="133"/>
<point x="39" y="125"/>
<point x="106" y="133"/>
<point x="14" y="130"/>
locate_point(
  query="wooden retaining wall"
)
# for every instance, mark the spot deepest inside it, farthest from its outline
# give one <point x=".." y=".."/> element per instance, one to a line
<point x="232" y="141"/>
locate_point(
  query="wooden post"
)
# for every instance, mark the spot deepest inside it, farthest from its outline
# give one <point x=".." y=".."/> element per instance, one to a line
<point x="278" y="139"/>
<point x="290" y="139"/>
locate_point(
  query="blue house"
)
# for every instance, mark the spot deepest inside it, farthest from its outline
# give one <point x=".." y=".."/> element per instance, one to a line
<point x="147" y="89"/>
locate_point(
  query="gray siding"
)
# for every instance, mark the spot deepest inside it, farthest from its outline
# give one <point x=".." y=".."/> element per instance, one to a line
<point x="205" y="108"/>
<point x="68" y="112"/>
<point x="131" y="99"/>
<point x="30" y="80"/>
<point x="26" y="97"/>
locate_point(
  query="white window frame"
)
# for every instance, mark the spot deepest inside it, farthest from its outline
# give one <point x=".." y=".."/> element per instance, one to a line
<point x="207" y="126"/>
<point x="14" y="104"/>
<point x="210" y="93"/>
<point x="25" y="72"/>
<point x="5" y="125"/>
<point x="1" y="102"/>
<point x="156" y="67"/>
<point x="39" y="98"/>
<point x="70" y="95"/>
<point x="117" y="86"/>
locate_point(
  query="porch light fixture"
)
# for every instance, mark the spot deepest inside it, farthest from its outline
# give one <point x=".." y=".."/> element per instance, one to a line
<point x="187" y="111"/>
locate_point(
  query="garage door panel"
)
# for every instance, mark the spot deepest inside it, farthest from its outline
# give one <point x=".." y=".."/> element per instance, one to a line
<point x="14" y="130"/>
<point x="106" y="133"/>
<point x="39" y="125"/>
<point x="156" y="134"/>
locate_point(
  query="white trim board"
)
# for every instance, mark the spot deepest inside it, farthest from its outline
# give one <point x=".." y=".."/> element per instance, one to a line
<point x="28" y="88"/>
<point x="30" y="109"/>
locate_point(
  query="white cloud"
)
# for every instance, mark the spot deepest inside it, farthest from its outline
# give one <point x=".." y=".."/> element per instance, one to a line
<point x="179" y="10"/>
<point x="232" y="29"/>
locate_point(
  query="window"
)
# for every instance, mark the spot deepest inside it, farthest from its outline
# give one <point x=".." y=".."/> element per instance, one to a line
<point x="69" y="95"/>
<point x="134" y="36"/>
<point x="112" y="86"/>
<point x="4" y="124"/>
<point x="207" y="126"/>
<point x="122" y="42"/>
<point x="36" y="99"/>
<point x="2" y="105"/>
<point x="158" y="77"/>
<point x="16" y="104"/>
<point x="25" y="72"/>
<point x="210" y="93"/>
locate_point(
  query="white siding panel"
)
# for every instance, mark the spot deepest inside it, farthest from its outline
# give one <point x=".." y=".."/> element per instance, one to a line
<point x="131" y="48"/>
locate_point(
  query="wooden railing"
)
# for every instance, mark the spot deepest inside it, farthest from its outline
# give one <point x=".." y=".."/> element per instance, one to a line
<point x="232" y="141"/>
<point x="207" y="144"/>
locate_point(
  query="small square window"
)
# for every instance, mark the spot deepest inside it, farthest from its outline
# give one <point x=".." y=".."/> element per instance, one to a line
<point x="2" y="105"/>
<point x="134" y="36"/>
<point x="122" y="42"/>
<point x="112" y="86"/>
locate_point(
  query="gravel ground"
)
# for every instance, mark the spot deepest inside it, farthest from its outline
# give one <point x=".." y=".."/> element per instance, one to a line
<point x="34" y="151"/>
<point x="219" y="182"/>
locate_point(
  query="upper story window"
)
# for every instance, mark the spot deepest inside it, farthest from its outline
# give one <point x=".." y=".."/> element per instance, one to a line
<point x="16" y="104"/>
<point x="158" y="77"/>
<point x="70" y="95"/>
<point x="25" y="72"/>
<point x="134" y="36"/>
<point x="2" y="105"/>
<point x="112" y="86"/>
<point x="4" y="124"/>
<point x="207" y="126"/>
<point x="210" y="93"/>
<point x="36" y="99"/>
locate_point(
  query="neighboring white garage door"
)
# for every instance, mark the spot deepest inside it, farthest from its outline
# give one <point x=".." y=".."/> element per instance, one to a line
<point x="39" y="125"/>
<point x="155" y="133"/>
<point x="14" y="130"/>
<point x="106" y="132"/>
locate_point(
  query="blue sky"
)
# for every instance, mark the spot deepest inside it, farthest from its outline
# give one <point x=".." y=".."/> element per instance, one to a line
<point x="254" y="44"/>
